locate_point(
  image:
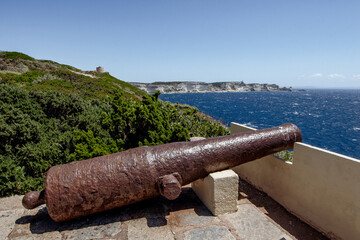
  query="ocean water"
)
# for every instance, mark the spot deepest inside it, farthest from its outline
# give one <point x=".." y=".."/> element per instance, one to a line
<point x="328" y="119"/>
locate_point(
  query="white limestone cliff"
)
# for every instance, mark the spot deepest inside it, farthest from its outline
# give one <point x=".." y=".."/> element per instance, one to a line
<point x="194" y="87"/>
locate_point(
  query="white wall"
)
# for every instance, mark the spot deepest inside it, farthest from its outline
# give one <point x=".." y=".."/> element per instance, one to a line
<point x="320" y="187"/>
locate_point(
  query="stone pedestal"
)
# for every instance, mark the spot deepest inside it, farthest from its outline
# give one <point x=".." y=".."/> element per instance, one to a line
<point x="218" y="191"/>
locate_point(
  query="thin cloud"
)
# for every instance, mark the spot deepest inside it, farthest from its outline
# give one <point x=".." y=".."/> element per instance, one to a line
<point x="301" y="76"/>
<point x="336" y="76"/>
<point x="356" y="76"/>
<point x="316" y="75"/>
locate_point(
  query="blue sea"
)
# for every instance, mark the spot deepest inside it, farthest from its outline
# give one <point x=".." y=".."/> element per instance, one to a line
<point x="328" y="119"/>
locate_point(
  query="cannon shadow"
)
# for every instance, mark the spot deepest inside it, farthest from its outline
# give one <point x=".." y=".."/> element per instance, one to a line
<point x="154" y="210"/>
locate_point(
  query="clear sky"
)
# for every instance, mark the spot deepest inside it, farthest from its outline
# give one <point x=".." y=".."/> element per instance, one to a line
<point x="291" y="43"/>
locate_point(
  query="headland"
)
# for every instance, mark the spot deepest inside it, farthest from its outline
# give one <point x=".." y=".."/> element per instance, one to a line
<point x="199" y="87"/>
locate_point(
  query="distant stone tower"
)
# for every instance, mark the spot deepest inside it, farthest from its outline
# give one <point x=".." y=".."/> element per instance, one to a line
<point x="100" y="69"/>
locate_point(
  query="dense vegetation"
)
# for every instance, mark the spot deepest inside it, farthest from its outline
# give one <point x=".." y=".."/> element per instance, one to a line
<point x="50" y="115"/>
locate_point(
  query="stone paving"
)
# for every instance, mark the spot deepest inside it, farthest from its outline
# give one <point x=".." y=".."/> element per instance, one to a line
<point x="184" y="218"/>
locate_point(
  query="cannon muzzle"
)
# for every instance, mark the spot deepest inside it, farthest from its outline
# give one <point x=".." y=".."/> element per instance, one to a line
<point x="85" y="187"/>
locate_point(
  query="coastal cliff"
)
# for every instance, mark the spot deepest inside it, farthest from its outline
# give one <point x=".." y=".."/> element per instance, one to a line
<point x="196" y="87"/>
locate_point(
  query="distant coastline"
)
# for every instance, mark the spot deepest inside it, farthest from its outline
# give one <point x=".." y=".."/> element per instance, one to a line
<point x="199" y="87"/>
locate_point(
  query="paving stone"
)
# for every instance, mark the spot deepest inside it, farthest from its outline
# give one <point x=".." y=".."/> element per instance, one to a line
<point x="35" y="224"/>
<point x="95" y="226"/>
<point x="148" y="220"/>
<point x="20" y="230"/>
<point x="210" y="232"/>
<point x="142" y="229"/>
<point x="251" y="224"/>
<point x="10" y="203"/>
<point x="94" y="232"/>
<point x="7" y="221"/>
<point x="26" y="229"/>
<point x="48" y="235"/>
<point x="191" y="217"/>
<point x="40" y="221"/>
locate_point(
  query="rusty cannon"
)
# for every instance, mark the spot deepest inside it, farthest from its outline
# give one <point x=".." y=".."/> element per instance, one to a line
<point x="85" y="187"/>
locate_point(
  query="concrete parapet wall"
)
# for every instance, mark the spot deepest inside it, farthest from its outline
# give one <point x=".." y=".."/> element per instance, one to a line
<point x="320" y="187"/>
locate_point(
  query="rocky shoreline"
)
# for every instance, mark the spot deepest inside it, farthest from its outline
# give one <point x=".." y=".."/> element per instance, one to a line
<point x="201" y="87"/>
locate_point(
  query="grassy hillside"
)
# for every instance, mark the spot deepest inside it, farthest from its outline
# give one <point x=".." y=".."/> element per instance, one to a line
<point x="18" y="69"/>
<point x="52" y="114"/>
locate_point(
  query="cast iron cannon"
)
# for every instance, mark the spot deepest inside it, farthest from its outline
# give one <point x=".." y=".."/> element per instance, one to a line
<point x="81" y="188"/>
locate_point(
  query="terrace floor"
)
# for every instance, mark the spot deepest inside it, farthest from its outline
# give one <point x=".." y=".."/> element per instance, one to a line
<point x="258" y="217"/>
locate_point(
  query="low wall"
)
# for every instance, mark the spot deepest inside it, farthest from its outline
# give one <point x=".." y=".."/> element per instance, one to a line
<point x="320" y="187"/>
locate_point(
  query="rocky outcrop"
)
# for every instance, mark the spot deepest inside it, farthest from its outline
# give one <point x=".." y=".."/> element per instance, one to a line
<point x="197" y="87"/>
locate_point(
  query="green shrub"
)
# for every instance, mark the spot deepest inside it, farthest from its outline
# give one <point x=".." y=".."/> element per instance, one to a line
<point x="39" y="130"/>
<point x="285" y="155"/>
<point x="88" y="146"/>
<point x="26" y="78"/>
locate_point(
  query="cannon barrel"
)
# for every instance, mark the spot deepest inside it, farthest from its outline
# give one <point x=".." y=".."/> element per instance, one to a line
<point x="81" y="188"/>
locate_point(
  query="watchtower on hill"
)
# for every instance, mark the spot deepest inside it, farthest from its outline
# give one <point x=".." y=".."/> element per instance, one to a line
<point x="100" y="69"/>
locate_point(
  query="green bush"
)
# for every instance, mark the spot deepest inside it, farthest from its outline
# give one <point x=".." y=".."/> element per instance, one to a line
<point x="285" y="155"/>
<point x="21" y="79"/>
<point x="37" y="131"/>
<point x="41" y="129"/>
